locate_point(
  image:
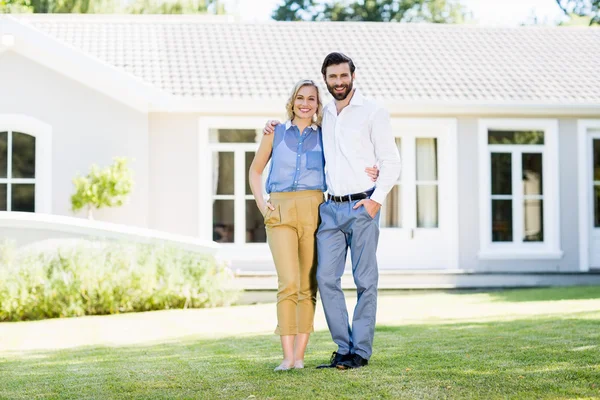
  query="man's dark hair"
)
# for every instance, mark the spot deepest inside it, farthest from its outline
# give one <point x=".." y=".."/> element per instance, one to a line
<point x="336" y="59"/>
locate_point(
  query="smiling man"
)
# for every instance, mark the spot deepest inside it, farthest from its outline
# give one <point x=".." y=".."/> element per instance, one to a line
<point x="356" y="132"/>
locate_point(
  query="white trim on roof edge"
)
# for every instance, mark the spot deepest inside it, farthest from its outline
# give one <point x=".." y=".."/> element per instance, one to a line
<point x="85" y="69"/>
<point x="276" y="105"/>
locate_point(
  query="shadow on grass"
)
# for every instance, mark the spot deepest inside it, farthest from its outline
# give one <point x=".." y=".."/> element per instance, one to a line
<point x="547" y="294"/>
<point x="510" y="295"/>
<point x="542" y="358"/>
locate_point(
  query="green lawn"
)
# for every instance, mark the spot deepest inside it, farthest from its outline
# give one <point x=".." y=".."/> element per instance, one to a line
<point x="523" y="344"/>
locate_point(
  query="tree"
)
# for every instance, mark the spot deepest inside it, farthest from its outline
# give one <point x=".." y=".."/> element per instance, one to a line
<point x="294" y="10"/>
<point x="581" y="8"/>
<point x="114" y="6"/>
<point x="436" y="11"/>
<point x="108" y="187"/>
<point x="177" y="7"/>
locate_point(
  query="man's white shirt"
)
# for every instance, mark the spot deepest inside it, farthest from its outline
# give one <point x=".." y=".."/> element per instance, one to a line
<point x="359" y="137"/>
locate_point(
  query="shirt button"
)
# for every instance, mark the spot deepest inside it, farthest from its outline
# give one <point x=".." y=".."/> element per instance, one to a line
<point x="298" y="155"/>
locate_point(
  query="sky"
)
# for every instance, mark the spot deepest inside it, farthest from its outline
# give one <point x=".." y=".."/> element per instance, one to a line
<point x="485" y="12"/>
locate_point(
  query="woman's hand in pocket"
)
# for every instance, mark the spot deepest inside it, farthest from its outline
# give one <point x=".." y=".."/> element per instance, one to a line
<point x="265" y="209"/>
<point x="372" y="172"/>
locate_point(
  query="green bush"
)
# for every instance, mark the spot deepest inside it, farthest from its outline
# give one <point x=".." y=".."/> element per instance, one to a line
<point x="107" y="187"/>
<point x="95" y="277"/>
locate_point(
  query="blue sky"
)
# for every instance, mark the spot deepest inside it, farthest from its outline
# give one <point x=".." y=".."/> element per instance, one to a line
<point x="485" y="12"/>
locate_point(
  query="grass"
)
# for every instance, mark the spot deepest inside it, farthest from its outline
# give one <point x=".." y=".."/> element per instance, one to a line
<point x="522" y="344"/>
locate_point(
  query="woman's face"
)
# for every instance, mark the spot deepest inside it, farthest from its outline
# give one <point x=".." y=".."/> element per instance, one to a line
<point x="305" y="103"/>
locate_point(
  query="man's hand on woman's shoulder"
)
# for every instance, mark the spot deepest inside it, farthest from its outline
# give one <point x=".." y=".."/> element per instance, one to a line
<point x="270" y="126"/>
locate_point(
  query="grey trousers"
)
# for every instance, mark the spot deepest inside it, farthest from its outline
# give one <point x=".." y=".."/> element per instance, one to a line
<point x="342" y="228"/>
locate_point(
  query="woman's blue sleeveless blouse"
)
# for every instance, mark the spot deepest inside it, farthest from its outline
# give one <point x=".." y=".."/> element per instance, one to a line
<point x="297" y="160"/>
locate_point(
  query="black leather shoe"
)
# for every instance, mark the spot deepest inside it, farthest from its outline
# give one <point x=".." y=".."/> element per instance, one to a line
<point x="336" y="358"/>
<point x="355" y="361"/>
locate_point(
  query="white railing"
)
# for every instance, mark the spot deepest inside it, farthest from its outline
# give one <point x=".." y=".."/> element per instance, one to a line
<point x="26" y="228"/>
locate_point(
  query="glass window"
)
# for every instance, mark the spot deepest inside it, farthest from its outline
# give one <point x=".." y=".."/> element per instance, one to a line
<point x="255" y="226"/>
<point x="533" y="220"/>
<point x="233" y="136"/>
<point x="223" y="221"/>
<point x="23" y="197"/>
<point x="391" y="212"/>
<point x="502" y="221"/>
<point x="510" y="202"/>
<point x="232" y="157"/>
<point x="17" y="171"/>
<point x="23" y="155"/>
<point x="427" y="185"/>
<point x="223" y="173"/>
<point x="596" y="166"/>
<point x="3" y="194"/>
<point x="501" y="173"/>
<point x="3" y="154"/>
<point x="515" y="137"/>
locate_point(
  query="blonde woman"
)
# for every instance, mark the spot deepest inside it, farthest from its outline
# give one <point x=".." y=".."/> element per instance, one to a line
<point x="296" y="183"/>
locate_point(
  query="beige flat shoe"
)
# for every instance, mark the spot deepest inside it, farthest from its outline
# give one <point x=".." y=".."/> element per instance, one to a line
<point x="299" y="364"/>
<point x="283" y="367"/>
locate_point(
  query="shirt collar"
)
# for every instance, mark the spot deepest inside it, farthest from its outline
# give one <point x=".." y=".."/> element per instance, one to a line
<point x="357" y="100"/>
<point x="288" y="125"/>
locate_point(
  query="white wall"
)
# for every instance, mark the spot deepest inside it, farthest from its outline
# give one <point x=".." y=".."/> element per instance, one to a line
<point x="174" y="178"/>
<point x="87" y="127"/>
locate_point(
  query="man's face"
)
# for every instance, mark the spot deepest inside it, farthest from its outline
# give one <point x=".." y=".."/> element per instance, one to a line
<point x="339" y="80"/>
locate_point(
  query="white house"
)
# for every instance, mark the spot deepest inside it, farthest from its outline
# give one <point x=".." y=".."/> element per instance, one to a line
<point x="498" y="128"/>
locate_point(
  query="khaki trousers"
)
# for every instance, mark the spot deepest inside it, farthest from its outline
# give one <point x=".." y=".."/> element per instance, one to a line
<point x="291" y="233"/>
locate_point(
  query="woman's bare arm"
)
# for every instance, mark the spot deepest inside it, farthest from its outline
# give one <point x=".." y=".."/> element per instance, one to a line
<point x="261" y="158"/>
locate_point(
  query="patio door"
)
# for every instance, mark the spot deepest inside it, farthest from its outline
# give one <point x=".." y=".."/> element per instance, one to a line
<point x="593" y="193"/>
<point x="419" y="222"/>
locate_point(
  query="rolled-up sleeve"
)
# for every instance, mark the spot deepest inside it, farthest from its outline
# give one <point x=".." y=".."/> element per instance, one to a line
<point x="386" y="153"/>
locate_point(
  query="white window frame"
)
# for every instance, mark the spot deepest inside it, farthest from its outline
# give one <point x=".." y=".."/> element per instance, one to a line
<point x="584" y="162"/>
<point x="550" y="248"/>
<point x="205" y="150"/>
<point x="43" y="157"/>
<point x="445" y="130"/>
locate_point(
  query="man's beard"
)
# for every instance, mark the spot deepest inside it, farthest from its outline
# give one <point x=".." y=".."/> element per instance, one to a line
<point x="340" y="96"/>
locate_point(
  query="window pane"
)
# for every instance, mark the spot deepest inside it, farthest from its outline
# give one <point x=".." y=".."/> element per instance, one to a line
<point x="399" y="146"/>
<point x="23" y="155"/>
<point x="3" y="193"/>
<point x="596" y="206"/>
<point x="515" y="137"/>
<point x="502" y="221"/>
<point x="501" y="173"/>
<point x="427" y="206"/>
<point x="391" y="212"/>
<point x="3" y="154"/>
<point x="249" y="159"/>
<point x="255" y="225"/>
<point x="223" y="218"/>
<point x="596" y="158"/>
<point x="223" y="173"/>
<point x="426" y="159"/>
<point x="532" y="173"/>
<point x="533" y="220"/>
<point x="23" y="198"/>
<point x="233" y="136"/>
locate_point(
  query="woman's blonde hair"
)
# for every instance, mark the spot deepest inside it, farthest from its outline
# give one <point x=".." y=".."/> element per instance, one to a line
<point x="318" y="117"/>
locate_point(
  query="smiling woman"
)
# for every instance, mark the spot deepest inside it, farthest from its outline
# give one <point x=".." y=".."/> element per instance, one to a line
<point x="295" y="184"/>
